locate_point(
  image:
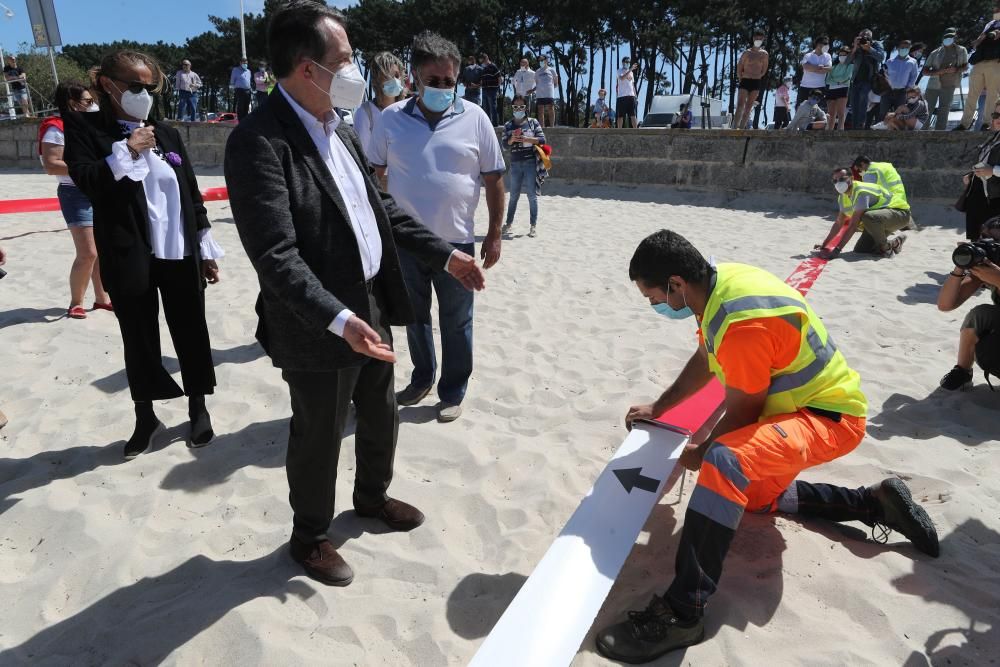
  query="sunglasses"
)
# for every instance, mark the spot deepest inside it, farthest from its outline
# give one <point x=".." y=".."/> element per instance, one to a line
<point x="137" y="87"/>
<point x="519" y="107"/>
<point x="842" y="179"/>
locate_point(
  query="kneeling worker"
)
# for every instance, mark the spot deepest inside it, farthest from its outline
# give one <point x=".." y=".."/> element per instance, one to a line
<point x="870" y="208"/>
<point x="792" y="402"/>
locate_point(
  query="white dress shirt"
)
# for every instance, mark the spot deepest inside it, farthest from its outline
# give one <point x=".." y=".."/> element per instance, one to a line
<point x="163" y="200"/>
<point x="351" y="185"/>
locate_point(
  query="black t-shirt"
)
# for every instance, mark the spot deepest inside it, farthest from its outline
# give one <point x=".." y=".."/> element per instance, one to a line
<point x="14" y="71"/>
<point x="490" y="76"/>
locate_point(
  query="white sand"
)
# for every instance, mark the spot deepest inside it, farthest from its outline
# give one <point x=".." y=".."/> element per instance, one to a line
<point x="179" y="556"/>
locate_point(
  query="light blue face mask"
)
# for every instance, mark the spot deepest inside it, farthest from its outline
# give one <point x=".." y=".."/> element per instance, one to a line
<point x="903" y="52"/>
<point x="519" y="115"/>
<point x="437" y="99"/>
<point x="392" y="87"/>
<point x="948" y="41"/>
<point x="668" y="312"/>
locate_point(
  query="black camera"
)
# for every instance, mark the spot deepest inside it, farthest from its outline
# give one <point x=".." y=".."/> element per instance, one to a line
<point x="967" y="255"/>
<point x="864" y="40"/>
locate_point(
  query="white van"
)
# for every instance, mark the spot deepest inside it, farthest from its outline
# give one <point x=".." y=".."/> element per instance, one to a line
<point x="664" y="110"/>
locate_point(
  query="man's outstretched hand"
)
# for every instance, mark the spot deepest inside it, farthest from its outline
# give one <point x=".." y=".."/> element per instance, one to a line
<point x="466" y="271"/>
<point x="365" y="340"/>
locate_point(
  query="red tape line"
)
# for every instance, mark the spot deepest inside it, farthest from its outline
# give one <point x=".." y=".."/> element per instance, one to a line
<point x="52" y="204"/>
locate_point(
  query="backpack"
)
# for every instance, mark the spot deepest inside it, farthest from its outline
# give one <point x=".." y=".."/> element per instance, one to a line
<point x="988" y="355"/>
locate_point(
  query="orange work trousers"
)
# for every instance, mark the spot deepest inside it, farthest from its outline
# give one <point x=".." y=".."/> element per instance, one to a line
<point x="751" y="467"/>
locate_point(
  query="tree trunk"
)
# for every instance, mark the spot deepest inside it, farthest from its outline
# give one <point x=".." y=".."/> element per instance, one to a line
<point x="689" y="70"/>
<point x="590" y="83"/>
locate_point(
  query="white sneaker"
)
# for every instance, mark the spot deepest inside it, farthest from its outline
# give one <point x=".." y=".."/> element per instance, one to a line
<point x="532" y="234"/>
<point x="879" y="126"/>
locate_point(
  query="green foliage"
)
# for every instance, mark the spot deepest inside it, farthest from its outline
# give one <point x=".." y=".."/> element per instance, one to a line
<point x="670" y="39"/>
<point x="38" y="70"/>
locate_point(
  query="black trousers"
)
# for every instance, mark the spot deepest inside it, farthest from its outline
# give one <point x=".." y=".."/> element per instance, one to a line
<point x="781" y="117"/>
<point x="242" y="102"/>
<point x="320" y="405"/>
<point x="174" y="282"/>
<point x="978" y="209"/>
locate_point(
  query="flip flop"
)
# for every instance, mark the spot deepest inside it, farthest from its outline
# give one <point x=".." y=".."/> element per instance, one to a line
<point x="103" y="306"/>
<point x="77" y="313"/>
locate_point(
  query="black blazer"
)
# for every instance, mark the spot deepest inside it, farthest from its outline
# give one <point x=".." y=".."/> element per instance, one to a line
<point x="121" y="219"/>
<point x="295" y="228"/>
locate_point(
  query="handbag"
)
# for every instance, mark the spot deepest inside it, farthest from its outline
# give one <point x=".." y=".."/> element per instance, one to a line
<point x="880" y="84"/>
<point x="960" y="203"/>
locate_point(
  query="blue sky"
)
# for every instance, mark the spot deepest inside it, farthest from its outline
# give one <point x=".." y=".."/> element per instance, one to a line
<point x="143" y="21"/>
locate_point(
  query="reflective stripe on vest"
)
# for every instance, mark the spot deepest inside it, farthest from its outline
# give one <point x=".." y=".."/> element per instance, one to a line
<point x="885" y="175"/>
<point x="849" y="201"/>
<point x="818" y="376"/>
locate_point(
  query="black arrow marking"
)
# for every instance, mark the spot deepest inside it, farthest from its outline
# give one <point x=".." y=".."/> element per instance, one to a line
<point x="632" y="478"/>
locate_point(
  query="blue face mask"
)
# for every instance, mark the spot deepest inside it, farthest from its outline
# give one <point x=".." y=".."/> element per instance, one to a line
<point x="519" y="115"/>
<point x="948" y="41"/>
<point x="667" y="311"/>
<point x="437" y="99"/>
<point x="244" y="66"/>
<point x="903" y="52"/>
<point x="392" y="87"/>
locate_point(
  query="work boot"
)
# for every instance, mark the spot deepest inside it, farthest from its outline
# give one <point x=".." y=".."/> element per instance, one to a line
<point x="896" y="510"/>
<point x="648" y="634"/>
<point x="957" y="378"/>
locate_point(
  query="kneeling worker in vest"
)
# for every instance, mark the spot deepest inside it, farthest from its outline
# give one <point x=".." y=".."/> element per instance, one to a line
<point x="871" y="208"/>
<point x="792" y="402"/>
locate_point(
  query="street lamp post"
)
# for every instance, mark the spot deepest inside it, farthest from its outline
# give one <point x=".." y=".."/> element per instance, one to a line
<point x="243" y="33"/>
<point x="8" y="14"/>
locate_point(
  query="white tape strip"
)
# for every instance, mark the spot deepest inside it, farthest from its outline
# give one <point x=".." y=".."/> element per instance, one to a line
<point x="551" y="614"/>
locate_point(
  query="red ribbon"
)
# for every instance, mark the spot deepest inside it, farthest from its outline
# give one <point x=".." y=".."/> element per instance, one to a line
<point x="52" y="204"/>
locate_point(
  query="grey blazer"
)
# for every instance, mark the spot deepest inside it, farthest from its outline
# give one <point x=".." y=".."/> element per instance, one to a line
<point x="294" y="226"/>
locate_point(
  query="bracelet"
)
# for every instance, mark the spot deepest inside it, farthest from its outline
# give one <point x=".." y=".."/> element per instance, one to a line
<point x="958" y="275"/>
<point x="132" y="152"/>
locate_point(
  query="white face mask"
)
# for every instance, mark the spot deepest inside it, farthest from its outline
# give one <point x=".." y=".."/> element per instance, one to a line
<point x="842" y="186"/>
<point x="825" y="49"/>
<point x="93" y="107"/>
<point x="347" y="86"/>
<point x="758" y="43"/>
<point x="996" y="15"/>
<point x="136" y="105"/>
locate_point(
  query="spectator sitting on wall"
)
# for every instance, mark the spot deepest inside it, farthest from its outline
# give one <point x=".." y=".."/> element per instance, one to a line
<point x="912" y="115"/>
<point x="684" y="119"/>
<point x="809" y="116"/>
<point x="601" y="115"/>
<point x="979" y="338"/>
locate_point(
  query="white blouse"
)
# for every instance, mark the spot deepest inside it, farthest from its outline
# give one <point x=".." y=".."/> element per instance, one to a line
<point x="163" y="199"/>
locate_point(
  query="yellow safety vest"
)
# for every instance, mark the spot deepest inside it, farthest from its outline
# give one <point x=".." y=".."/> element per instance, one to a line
<point x="886" y="176"/>
<point x="818" y="377"/>
<point x="848" y="201"/>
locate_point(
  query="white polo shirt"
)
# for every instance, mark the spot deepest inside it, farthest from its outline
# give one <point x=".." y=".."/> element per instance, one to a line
<point x="434" y="169"/>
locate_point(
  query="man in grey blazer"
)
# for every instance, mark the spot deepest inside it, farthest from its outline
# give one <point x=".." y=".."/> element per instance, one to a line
<point x="323" y="239"/>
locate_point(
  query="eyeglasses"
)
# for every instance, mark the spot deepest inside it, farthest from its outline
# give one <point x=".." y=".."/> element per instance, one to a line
<point x="518" y="107"/>
<point x="841" y="179"/>
<point x="137" y="87"/>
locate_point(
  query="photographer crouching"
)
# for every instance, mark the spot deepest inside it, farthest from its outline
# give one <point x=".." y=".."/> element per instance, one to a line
<point x="976" y="266"/>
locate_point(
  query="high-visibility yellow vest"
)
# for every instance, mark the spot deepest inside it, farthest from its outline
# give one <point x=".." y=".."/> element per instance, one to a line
<point x="886" y="176"/>
<point x="880" y="197"/>
<point x="818" y="377"/>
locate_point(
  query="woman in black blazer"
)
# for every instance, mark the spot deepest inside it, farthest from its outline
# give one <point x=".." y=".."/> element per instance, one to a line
<point x="153" y="239"/>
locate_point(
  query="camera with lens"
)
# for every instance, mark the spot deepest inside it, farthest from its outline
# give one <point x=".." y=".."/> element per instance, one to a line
<point x="864" y="40"/>
<point x="969" y="254"/>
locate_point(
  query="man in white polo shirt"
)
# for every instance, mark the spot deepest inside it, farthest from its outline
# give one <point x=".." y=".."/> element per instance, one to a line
<point x="436" y="149"/>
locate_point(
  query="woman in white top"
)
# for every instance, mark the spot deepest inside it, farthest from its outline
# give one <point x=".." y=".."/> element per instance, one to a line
<point x="387" y="72"/>
<point x="153" y="239"/>
<point x="76" y="209"/>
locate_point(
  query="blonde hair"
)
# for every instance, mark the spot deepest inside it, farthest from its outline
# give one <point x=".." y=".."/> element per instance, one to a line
<point x="381" y="70"/>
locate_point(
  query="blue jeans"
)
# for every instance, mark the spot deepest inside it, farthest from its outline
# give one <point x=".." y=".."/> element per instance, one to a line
<point x="858" y="101"/>
<point x="522" y="175"/>
<point x="490" y="105"/>
<point x="187" y="105"/>
<point x="455" y="321"/>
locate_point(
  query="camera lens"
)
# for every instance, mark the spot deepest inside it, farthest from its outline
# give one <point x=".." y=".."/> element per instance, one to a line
<point x="967" y="255"/>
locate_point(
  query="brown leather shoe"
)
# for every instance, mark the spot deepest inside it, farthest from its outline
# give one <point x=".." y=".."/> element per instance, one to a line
<point x="394" y="513"/>
<point x="321" y="562"/>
